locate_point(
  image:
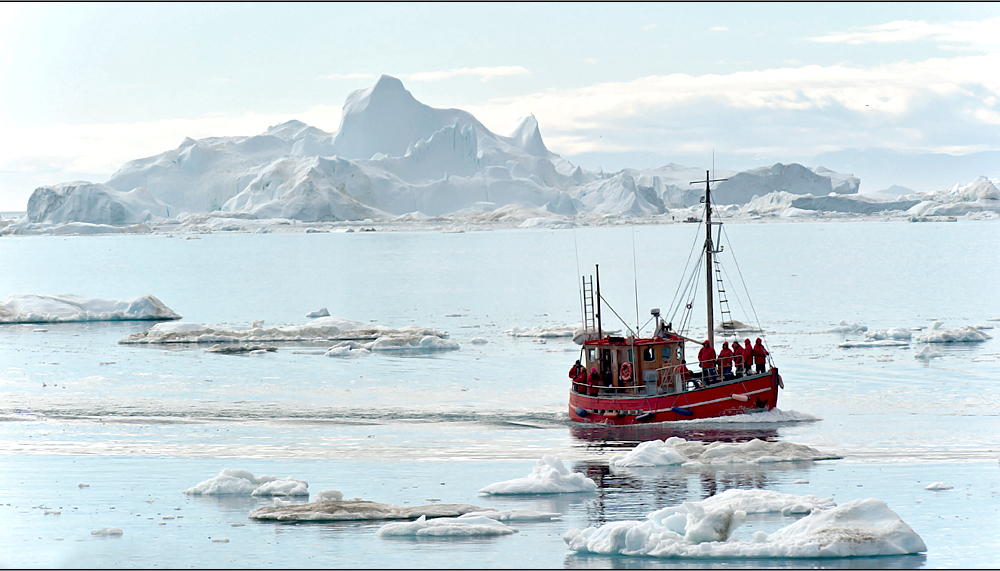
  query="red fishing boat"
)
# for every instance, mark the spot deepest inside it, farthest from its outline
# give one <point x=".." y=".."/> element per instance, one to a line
<point x="637" y="380"/>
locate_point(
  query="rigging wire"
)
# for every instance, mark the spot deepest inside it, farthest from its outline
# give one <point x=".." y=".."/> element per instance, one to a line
<point x="625" y="323"/>
<point x="684" y="272"/>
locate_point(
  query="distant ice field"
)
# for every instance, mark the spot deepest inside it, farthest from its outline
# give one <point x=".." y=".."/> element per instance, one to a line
<point x="151" y="421"/>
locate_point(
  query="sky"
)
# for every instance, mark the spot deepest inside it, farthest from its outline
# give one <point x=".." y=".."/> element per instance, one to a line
<point x="85" y="88"/>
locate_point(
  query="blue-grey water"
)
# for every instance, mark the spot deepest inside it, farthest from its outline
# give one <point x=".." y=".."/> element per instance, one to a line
<point x="140" y="424"/>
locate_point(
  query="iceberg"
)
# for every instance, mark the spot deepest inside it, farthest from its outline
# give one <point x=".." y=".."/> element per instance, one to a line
<point x="708" y="530"/>
<point x="549" y="476"/>
<point x="677" y="451"/>
<point x="462" y="526"/>
<point x="940" y="334"/>
<point x="244" y="483"/>
<point x="29" y="308"/>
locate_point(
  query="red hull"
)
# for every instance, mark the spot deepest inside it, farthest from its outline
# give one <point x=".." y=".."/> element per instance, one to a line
<point x="709" y="402"/>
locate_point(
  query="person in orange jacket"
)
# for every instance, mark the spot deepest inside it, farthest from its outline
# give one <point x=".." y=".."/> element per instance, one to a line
<point x="759" y="355"/>
<point x="706" y="358"/>
<point x="726" y="361"/>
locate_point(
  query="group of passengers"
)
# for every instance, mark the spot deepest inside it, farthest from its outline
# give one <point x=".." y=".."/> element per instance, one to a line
<point x="743" y="357"/>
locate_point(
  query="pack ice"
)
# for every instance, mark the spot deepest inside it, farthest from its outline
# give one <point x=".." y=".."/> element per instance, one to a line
<point x="392" y="157"/>
<point x="677" y="451"/>
<point x="29" y="308"/>
<point x="349" y="334"/>
<point x="708" y="529"/>
<point x="549" y="476"/>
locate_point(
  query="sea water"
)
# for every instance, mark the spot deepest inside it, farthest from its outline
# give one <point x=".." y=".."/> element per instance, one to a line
<point x="137" y="425"/>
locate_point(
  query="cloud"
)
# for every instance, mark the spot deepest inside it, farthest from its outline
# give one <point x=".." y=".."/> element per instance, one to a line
<point x="484" y="73"/>
<point x="980" y="33"/>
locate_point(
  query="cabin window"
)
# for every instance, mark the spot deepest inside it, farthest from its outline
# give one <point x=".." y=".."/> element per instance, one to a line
<point x="680" y="352"/>
<point x="649" y="354"/>
<point x="667" y="352"/>
<point x="630" y="359"/>
<point x="591" y="355"/>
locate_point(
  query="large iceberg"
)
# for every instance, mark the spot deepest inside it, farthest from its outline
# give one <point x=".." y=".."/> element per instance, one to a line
<point x="29" y="308"/>
<point x="708" y="529"/>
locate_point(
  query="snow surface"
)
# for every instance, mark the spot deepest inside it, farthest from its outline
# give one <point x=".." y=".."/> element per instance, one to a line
<point x="898" y="333"/>
<point x="29" y="308"/>
<point x="940" y="334"/>
<point x="708" y="529"/>
<point x="549" y="476"/>
<point x="319" y="329"/>
<point x="356" y="510"/>
<point x="462" y="526"/>
<point x="244" y="483"/>
<point x="678" y="451"/>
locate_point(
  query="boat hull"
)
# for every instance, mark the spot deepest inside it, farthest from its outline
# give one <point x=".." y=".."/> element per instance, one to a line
<point x="723" y="399"/>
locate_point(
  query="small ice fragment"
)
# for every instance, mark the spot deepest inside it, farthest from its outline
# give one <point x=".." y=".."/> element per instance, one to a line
<point x="168" y="517"/>
<point x="801" y="482"/>
<point x="549" y="476"/>
<point x="939" y="486"/>
<point x="108" y="532"/>
<point x="327" y="495"/>
<point x="478" y="341"/>
<point x="162" y="523"/>
<point x="318" y="313"/>
<point x="40" y="330"/>
<point x="237" y="524"/>
<point x="220" y="540"/>
<point x="52" y="512"/>
<point x="280" y="503"/>
<point x="83" y="485"/>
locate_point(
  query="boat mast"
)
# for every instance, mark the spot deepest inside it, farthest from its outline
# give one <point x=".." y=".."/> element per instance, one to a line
<point x="708" y="260"/>
<point x="597" y="270"/>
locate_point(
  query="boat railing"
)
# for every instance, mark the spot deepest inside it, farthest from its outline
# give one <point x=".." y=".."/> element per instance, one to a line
<point x="672" y="379"/>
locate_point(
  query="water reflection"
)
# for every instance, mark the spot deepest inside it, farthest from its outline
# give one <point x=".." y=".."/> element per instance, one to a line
<point x="601" y="438"/>
<point x="581" y="561"/>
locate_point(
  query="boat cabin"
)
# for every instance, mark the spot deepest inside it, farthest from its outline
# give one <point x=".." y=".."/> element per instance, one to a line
<point x="636" y="366"/>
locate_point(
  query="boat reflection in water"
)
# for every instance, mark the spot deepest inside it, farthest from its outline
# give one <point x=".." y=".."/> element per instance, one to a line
<point x="596" y="437"/>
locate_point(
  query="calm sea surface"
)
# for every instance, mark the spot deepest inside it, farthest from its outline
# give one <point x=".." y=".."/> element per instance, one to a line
<point x="140" y="424"/>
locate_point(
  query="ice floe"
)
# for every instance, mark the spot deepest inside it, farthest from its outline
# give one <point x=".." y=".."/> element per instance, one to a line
<point x="463" y="526"/>
<point x="356" y="510"/>
<point x="708" y="529"/>
<point x="400" y="342"/>
<point x="927" y="353"/>
<point x="108" y="532"/>
<point x="874" y="343"/>
<point x="543" y="331"/>
<point x="244" y="483"/>
<point x="380" y="338"/>
<point x="327" y="495"/>
<point x="677" y="451"/>
<point x="549" y="476"/>
<point x="938" y="487"/>
<point x="30" y="308"/>
<point x="940" y="334"/>
<point x="845" y="327"/>
<point x="898" y="333"/>
<point x="516" y="515"/>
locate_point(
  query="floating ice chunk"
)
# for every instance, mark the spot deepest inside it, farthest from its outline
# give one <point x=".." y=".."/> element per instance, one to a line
<point x="242" y="482"/>
<point x="939" y="334"/>
<point x="327" y="495"/>
<point x="108" y="532"/>
<point x="280" y="503"/>
<point x="478" y="341"/>
<point x="464" y="526"/>
<point x="542" y="331"/>
<point x="393" y="343"/>
<point x="900" y="333"/>
<point x="873" y="343"/>
<point x="549" y="476"/>
<point x="939" y="486"/>
<point x="845" y="327"/>
<point x="318" y="313"/>
<point x="220" y="540"/>
<point x="356" y="510"/>
<point x="927" y="353"/>
<point x="706" y="529"/>
<point x="516" y="515"/>
<point x="651" y="453"/>
<point x="29" y="308"/>
<point x="238" y="349"/>
<point x="735" y="325"/>
<point x="801" y="481"/>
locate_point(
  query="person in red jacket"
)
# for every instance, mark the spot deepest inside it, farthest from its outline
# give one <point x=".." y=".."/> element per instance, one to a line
<point x="747" y="355"/>
<point x="595" y="381"/>
<point x="738" y="358"/>
<point x="759" y="355"/>
<point x="706" y="358"/>
<point x="726" y="361"/>
<point x="579" y="375"/>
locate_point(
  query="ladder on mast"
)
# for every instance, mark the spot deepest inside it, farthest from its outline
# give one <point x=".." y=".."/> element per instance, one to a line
<point x="728" y="327"/>
<point x="589" y="318"/>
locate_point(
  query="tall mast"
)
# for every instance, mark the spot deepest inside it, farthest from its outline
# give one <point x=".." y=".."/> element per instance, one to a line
<point x="708" y="260"/>
<point x="597" y="270"/>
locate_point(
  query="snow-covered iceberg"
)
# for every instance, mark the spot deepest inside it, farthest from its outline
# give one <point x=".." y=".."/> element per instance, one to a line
<point x="244" y="483"/>
<point x="677" y="451"/>
<point x="316" y="330"/>
<point x="549" y="476"/>
<point x="708" y="530"/>
<point x="30" y="308"/>
<point x="940" y="334"/>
